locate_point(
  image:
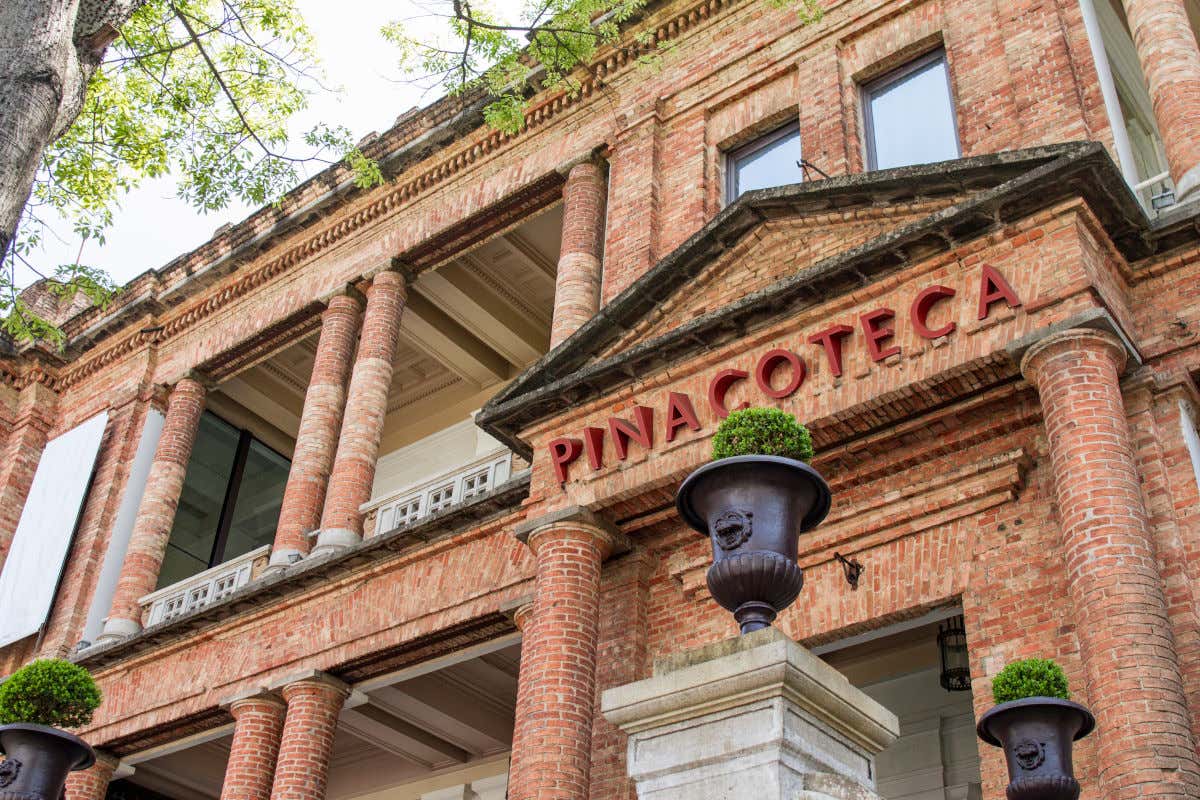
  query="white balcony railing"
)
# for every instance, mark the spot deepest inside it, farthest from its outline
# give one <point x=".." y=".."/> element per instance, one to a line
<point x="447" y="490"/>
<point x="201" y="589"/>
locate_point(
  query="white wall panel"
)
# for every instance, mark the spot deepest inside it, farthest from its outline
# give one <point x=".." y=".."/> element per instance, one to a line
<point x="44" y="532"/>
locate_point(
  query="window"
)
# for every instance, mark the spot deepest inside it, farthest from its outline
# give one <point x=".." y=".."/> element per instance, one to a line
<point x="770" y="160"/>
<point x="909" y="115"/>
<point x="229" y="504"/>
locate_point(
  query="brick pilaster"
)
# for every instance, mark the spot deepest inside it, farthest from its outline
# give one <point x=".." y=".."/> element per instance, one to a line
<point x="552" y="734"/>
<point x="362" y="427"/>
<point x="320" y="422"/>
<point x="1166" y="47"/>
<point x="22" y="450"/>
<point x="156" y="514"/>
<point x="577" y="286"/>
<point x="302" y="768"/>
<point x="92" y="783"/>
<point x="258" y="726"/>
<point x="1125" y="636"/>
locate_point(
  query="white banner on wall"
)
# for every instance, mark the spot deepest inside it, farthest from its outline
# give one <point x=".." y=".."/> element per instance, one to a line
<point x="39" y="547"/>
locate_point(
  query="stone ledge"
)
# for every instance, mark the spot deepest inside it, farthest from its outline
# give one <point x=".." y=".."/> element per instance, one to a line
<point x="303" y="574"/>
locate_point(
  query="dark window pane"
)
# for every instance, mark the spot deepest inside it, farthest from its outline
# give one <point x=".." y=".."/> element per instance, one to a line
<point x="770" y="161"/>
<point x="912" y="118"/>
<point x="190" y="546"/>
<point x="258" y="501"/>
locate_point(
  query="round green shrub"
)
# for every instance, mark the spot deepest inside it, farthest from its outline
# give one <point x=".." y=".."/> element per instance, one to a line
<point x="1032" y="677"/>
<point x="762" y="432"/>
<point x="49" y="691"/>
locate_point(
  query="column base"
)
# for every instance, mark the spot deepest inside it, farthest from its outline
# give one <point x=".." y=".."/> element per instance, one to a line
<point x="280" y="560"/>
<point x="334" y="540"/>
<point x="116" y="630"/>
<point x="756" y="716"/>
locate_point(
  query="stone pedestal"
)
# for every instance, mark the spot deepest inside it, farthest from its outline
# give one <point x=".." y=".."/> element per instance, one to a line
<point x="758" y="716"/>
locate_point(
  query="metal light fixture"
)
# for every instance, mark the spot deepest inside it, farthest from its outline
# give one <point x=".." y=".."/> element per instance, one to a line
<point x="956" y="665"/>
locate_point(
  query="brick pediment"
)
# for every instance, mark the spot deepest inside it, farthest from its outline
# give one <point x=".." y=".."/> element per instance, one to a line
<point x="776" y="252"/>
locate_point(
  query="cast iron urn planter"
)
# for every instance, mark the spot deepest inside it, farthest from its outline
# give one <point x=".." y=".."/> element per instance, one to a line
<point x="1036" y="734"/>
<point x="754" y="509"/>
<point x="37" y="759"/>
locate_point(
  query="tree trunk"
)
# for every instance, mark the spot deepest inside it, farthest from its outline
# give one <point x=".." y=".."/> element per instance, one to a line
<point x="49" y="50"/>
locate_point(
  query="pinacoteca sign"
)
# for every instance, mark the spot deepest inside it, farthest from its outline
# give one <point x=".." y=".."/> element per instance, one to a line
<point x="778" y="374"/>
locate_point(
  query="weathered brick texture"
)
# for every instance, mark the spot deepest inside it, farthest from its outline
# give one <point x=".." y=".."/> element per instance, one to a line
<point x="320" y="423"/>
<point x="27" y="436"/>
<point x="302" y="768"/>
<point x="366" y="406"/>
<point x="1166" y="46"/>
<point x="1125" y="634"/>
<point x="258" y="725"/>
<point x="577" y="284"/>
<point x="92" y="784"/>
<point x="552" y="733"/>
<point x="156" y="514"/>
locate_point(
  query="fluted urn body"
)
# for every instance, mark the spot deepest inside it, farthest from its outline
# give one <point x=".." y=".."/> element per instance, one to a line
<point x="754" y="508"/>
<point x="37" y="759"/>
<point x="1036" y="735"/>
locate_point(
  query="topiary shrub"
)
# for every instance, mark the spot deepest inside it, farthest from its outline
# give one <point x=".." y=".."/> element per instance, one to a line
<point x="762" y="432"/>
<point x="49" y="691"/>
<point x="1032" y="677"/>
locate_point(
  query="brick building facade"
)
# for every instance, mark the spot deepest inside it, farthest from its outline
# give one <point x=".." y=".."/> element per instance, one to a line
<point x="381" y="481"/>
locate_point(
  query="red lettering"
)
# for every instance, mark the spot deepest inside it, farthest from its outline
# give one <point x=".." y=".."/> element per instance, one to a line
<point x="623" y="430"/>
<point x="919" y="313"/>
<point x="992" y="289"/>
<point x="831" y="340"/>
<point x="562" y="452"/>
<point x="871" y="322"/>
<point x="593" y="443"/>
<point x="680" y="414"/>
<point x="766" y="370"/>
<point x="720" y="385"/>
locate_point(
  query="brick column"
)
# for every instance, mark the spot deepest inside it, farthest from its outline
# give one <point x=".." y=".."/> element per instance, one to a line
<point x="577" y="287"/>
<point x="1166" y="47"/>
<point x="313" y="705"/>
<point x="362" y="427"/>
<point x="156" y="514"/>
<point x="1125" y="636"/>
<point x="320" y="422"/>
<point x="258" y="725"/>
<point x="552" y="734"/>
<point x="27" y="437"/>
<point x="92" y="783"/>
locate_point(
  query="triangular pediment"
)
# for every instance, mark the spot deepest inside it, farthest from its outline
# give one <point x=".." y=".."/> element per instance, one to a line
<point x="774" y="250"/>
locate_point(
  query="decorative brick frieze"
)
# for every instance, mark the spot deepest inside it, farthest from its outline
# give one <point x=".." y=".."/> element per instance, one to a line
<point x="306" y="744"/>
<point x="366" y="406"/>
<point x="577" y="285"/>
<point x="156" y="514"/>
<point x="258" y="727"/>
<point x="320" y="423"/>
<point x="1113" y="574"/>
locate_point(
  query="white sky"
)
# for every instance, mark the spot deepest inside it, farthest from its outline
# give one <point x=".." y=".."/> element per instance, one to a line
<point x="153" y="226"/>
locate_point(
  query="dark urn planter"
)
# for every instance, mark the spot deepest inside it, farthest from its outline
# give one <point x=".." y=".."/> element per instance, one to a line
<point x="754" y="509"/>
<point x="1036" y="735"/>
<point x="37" y="760"/>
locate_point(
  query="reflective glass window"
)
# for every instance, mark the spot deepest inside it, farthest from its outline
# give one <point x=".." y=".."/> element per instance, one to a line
<point x="909" y="116"/>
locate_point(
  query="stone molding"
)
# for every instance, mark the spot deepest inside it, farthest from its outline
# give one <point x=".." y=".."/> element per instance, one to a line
<point x="574" y="518"/>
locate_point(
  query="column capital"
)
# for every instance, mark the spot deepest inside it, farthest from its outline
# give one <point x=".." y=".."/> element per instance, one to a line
<point x="573" y="518"/>
<point x="590" y="157"/>
<point x="257" y="696"/>
<point x="518" y="610"/>
<point x="348" y="291"/>
<point x="1025" y="350"/>
<point x="310" y="678"/>
<point x="403" y="269"/>
<point x="206" y="382"/>
<point x="1073" y="340"/>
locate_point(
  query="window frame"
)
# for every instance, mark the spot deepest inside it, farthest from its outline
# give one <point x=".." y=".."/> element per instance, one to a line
<point x="892" y="77"/>
<point x="233" y="489"/>
<point x="750" y="148"/>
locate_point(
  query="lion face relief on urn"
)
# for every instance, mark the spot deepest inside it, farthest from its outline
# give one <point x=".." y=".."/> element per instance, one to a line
<point x="753" y="501"/>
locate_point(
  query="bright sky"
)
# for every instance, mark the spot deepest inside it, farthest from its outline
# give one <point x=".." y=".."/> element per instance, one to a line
<point x="153" y="226"/>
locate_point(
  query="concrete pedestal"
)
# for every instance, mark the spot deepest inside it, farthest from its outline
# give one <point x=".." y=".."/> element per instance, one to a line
<point x="758" y="716"/>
